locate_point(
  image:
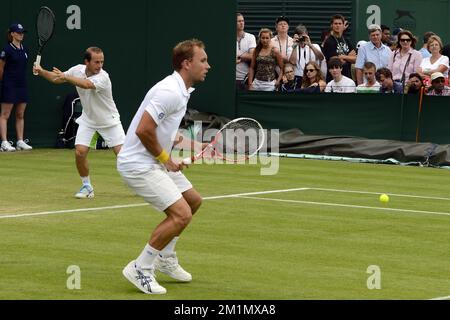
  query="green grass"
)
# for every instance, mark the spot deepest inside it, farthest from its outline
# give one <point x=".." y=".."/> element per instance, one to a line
<point x="236" y="248"/>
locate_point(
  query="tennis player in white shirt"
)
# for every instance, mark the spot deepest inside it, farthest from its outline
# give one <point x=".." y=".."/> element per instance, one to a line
<point x="146" y="166"/>
<point x="99" y="116"/>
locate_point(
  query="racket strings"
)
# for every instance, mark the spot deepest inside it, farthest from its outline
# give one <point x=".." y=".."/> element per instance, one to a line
<point x="239" y="140"/>
<point x="45" y="24"/>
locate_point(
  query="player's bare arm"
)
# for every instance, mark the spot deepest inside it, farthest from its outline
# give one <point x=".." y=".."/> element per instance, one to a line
<point x="79" y="82"/>
<point x="146" y="132"/>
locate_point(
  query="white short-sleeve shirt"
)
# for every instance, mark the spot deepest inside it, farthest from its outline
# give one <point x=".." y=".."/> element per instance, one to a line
<point x="166" y="102"/>
<point x="346" y="85"/>
<point x="99" y="108"/>
<point x="244" y="45"/>
<point x="304" y="56"/>
<point x="426" y="64"/>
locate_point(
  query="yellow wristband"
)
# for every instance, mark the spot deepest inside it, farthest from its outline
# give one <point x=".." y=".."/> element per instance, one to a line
<point x="163" y="157"/>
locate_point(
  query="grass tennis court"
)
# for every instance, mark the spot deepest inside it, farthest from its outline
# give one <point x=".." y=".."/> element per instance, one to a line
<point x="313" y="242"/>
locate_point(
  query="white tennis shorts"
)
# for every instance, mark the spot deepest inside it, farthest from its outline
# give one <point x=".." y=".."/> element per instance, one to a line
<point x="87" y="136"/>
<point x="157" y="186"/>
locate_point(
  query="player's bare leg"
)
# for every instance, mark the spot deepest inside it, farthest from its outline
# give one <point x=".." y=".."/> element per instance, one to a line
<point x="86" y="191"/>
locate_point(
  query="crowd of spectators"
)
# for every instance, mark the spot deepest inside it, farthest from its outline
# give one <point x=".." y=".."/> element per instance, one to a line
<point x="382" y="63"/>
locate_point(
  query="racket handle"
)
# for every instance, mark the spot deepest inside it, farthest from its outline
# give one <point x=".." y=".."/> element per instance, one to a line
<point x="187" y="160"/>
<point x="37" y="63"/>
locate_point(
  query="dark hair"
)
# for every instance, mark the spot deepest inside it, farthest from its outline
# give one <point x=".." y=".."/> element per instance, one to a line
<point x="370" y="65"/>
<point x="184" y="51"/>
<point x="384" y="27"/>
<point x="324" y="34"/>
<point x="383" y="71"/>
<point x="410" y="35"/>
<point x="334" y="62"/>
<point x="88" y="53"/>
<point x="415" y="75"/>
<point x="427" y="36"/>
<point x="337" y="17"/>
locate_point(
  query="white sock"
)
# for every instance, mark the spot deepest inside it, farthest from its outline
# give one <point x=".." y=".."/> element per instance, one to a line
<point x="86" y="180"/>
<point x="147" y="257"/>
<point x="169" y="248"/>
<point x="19" y="141"/>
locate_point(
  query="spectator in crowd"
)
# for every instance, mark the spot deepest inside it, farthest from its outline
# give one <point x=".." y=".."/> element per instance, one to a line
<point x="289" y="82"/>
<point x="13" y="71"/>
<point x="262" y="75"/>
<point x="436" y="62"/>
<point x="424" y="50"/>
<point x="438" y="87"/>
<point x="414" y="83"/>
<point x="340" y="46"/>
<point x="323" y="37"/>
<point x="385" y="35"/>
<point x="282" y="40"/>
<point x="405" y="59"/>
<point x="370" y="85"/>
<point x="313" y="80"/>
<point x="304" y="51"/>
<point x="245" y="45"/>
<point x="374" y="51"/>
<point x="340" y="83"/>
<point x="388" y="85"/>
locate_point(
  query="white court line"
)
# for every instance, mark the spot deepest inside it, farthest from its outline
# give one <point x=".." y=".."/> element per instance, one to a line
<point x="390" y="194"/>
<point x="19" y="215"/>
<point x="347" y="206"/>
<point x="441" y="298"/>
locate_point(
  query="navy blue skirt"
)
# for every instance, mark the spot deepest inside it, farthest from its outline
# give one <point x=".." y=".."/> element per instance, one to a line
<point x="13" y="94"/>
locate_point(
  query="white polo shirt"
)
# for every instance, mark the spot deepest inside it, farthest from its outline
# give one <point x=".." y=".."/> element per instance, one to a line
<point x="166" y="103"/>
<point x="304" y="56"/>
<point x="244" y="45"/>
<point x="99" y="109"/>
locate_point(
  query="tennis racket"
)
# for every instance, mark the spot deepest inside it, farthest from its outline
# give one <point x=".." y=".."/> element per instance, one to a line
<point x="237" y="141"/>
<point x="45" y="25"/>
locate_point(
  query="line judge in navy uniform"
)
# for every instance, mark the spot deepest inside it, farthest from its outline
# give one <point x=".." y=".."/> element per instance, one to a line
<point x="13" y="69"/>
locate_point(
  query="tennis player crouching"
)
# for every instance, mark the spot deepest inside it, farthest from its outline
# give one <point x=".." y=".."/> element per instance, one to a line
<point x="146" y="166"/>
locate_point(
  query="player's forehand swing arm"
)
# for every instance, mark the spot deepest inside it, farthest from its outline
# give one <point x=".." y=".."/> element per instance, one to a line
<point x="57" y="77"/>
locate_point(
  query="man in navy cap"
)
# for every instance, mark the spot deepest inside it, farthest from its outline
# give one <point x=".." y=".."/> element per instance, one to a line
<point x="282" y="40"/>
<point x="13" y="68"/>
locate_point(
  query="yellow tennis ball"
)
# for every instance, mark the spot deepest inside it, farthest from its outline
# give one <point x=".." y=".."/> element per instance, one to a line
<point x="384" y="198"/>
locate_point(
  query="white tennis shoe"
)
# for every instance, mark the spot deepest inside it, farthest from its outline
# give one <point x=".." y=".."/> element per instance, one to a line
<point x="7" y="146"/>
<point x="143" y="279"/>
<point x="86" y="191"/>
<point x="22" y="145"/>
<point x="169" y="265"/>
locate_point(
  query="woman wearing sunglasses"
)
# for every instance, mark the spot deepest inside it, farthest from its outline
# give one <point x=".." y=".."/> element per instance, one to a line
<point x="405" y="59"/>
<point x="312" y="78"/>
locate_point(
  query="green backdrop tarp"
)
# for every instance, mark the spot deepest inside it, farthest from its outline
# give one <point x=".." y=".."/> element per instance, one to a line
<point x="372" y="116"/>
